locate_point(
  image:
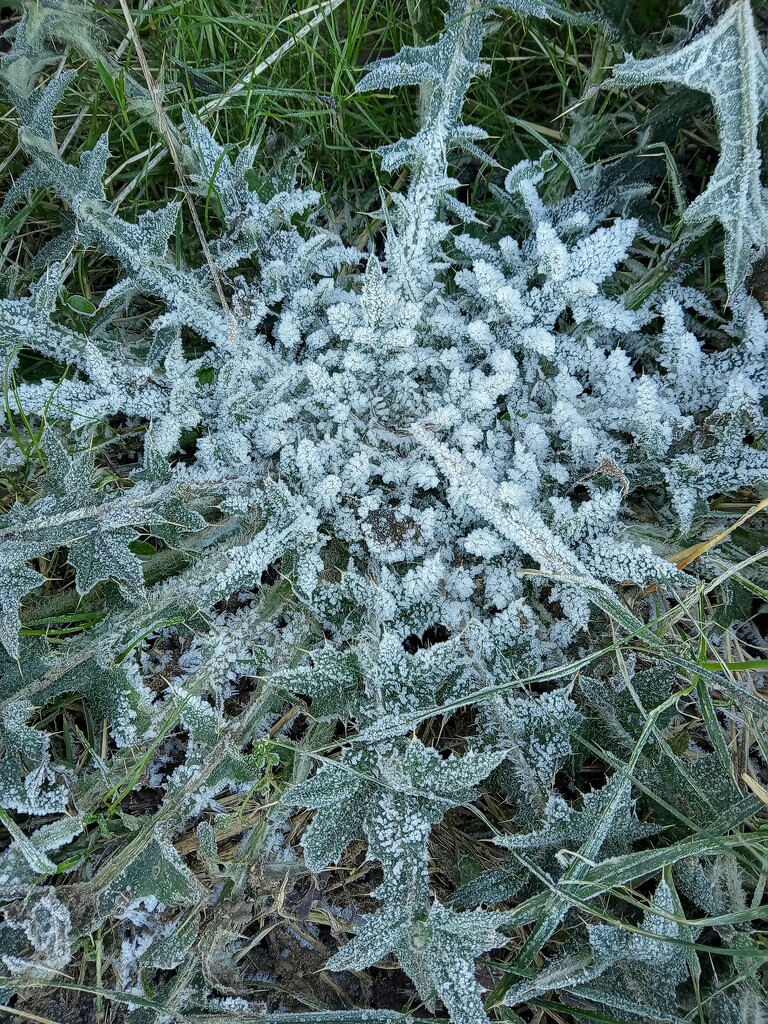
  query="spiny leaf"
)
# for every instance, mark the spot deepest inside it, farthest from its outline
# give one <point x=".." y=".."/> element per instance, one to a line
<point x="728" y="62"/>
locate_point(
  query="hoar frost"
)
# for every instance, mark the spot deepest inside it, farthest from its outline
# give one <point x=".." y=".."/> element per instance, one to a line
<point x="413" y="485"/>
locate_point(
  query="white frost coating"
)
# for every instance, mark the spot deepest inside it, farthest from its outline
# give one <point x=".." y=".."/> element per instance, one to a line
<point x="381" y="486"/>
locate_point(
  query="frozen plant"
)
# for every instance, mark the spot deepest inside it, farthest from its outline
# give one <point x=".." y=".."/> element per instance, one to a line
<point x="384" y="488"/>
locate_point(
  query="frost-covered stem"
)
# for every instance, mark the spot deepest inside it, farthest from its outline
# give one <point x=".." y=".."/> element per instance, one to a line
<point x="448" y="101"/>
<point x="415" y="239"/>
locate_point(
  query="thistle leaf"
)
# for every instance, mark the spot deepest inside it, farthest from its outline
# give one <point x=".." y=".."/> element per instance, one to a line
<point x="728" y="62"/>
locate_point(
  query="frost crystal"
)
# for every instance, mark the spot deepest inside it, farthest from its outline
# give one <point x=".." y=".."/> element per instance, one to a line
<point x="360" y="494"/>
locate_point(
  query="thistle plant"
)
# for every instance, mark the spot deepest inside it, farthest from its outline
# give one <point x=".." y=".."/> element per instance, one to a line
<point x="400" y="493"/>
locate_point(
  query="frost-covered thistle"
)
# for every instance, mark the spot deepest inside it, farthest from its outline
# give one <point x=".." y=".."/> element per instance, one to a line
<point x="411" y="487"/>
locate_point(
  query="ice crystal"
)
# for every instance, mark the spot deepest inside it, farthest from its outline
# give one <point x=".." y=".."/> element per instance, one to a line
<point x="384" y="487"/>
